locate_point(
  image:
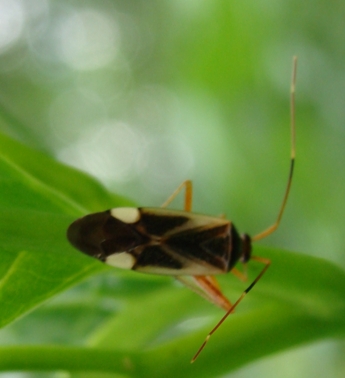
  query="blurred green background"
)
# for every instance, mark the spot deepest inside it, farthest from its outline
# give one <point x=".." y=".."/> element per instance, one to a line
<point x="145" y="94"/>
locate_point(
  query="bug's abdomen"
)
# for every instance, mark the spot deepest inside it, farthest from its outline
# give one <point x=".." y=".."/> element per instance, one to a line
<point x="204" y="246"/>
<point x="219" y="246"/>
<point x="195" y="245"/>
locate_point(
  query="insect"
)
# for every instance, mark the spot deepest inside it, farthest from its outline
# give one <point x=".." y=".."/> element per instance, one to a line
<point x="191" y="247"/>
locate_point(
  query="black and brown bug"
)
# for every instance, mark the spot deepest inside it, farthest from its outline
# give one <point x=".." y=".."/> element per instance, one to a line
<point x="191" y="247"/>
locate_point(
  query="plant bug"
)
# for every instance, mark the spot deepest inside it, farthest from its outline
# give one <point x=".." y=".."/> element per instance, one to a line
<point x="191" y="247"/>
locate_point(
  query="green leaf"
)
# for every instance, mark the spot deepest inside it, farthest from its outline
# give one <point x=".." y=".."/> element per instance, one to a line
<point x="32" y="180"/>
<point x="157" y="326"/>
<point x="301" y="299"/>
<point x="37" y="197"/>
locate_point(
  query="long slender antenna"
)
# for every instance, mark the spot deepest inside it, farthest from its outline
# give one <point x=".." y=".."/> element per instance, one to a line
<point x="275" y="225"/>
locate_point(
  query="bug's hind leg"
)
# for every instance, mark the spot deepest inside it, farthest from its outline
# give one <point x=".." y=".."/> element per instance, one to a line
<point x="208" y="288"/>
<point x="262" y="260"/>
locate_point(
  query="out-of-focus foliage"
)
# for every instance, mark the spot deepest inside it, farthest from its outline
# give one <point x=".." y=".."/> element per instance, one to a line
<point x="148" y="319"/>
<point x="144" y="94"/>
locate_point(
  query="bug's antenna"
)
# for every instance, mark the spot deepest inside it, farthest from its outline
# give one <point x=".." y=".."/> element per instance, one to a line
<point x="275" y="225"/>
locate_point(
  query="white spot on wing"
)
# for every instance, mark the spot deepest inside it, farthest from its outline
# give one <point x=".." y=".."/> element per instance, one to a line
<point x="122" y="260"/>
<point x="126" y="214"/>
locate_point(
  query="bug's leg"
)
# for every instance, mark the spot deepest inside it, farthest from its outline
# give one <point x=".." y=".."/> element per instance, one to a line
<point x="208" y="288"/>
<point x="213" y="281"/>
<point x="267" y="263"/>
<point x="187" y="185"/>
<point x="210" y="285"/>
<point x="241" y="276"/>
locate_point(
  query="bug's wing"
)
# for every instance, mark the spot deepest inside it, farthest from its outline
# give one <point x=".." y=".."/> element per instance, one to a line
<point x="208" y="288"/>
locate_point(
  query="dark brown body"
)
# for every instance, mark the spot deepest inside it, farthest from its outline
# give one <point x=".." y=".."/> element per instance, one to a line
<point x="161" y="241"/>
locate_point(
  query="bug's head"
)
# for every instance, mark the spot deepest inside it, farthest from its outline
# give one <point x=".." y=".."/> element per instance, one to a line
<point x="246" y="248"/>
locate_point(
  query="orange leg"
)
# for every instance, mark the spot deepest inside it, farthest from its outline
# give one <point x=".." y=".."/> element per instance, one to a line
<point x="187" y="185"/>
<point x="241" y="276"/>
<point x="208" y="288"/>
<point x="211" y="286"/>
<point x="267" y="263"/>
